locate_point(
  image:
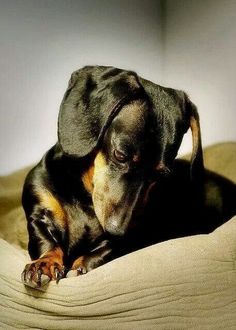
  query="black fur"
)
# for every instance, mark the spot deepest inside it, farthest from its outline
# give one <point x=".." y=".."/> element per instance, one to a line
<point x="93" y="118"/>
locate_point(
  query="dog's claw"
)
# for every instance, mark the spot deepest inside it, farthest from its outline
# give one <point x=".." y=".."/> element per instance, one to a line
<point x="23" y="276"/>
<point x="29" y="276"/>
<point x="38" y="276"/>
<point x="59" y="274"/>
<point x="81" y="271"/>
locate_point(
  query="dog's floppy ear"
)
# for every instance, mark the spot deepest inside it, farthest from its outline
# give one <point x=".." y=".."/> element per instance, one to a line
<point x="197" y="165"/>
<point x="175" y="113"/>
<point x="94" y="96"/>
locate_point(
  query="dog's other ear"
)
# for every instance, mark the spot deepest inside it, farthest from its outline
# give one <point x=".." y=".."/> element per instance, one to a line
<point x="175" y="113"/>
<point x="94" y="96"/>
<point x="197" y="165"/>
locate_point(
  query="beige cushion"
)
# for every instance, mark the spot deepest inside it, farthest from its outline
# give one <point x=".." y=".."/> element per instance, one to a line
<point x="187" y="283"/>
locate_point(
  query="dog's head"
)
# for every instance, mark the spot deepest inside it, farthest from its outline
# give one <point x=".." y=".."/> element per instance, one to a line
<point x="132" y="129"/>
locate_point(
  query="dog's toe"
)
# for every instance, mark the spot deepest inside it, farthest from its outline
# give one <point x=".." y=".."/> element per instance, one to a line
<point x="34" y="279"/>
<point x="76" y="272"/>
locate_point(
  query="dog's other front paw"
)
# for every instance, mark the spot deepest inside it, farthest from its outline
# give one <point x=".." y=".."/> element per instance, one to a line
<point x="97" y="257"/>
<point x="84" y="264"/>
<point x="79" y="267"/>
<point x="39" y="272"/>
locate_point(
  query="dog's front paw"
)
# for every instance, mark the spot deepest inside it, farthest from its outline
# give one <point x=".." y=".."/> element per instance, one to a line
<point x="85" y="264"/>
<point x="39" y="272"/>
<point x="79" y="267"/>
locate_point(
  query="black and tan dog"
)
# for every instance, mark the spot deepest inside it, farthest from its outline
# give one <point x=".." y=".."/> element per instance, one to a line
<point x="111" y="184"/>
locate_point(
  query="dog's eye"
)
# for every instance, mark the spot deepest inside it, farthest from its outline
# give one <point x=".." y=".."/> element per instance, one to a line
<point x="122" y="158"/>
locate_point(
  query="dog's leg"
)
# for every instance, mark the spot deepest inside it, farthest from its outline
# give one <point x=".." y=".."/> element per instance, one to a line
<point x="45" y="241"/>
<point x="47" y="235"/>
<point x="97" y="257"/>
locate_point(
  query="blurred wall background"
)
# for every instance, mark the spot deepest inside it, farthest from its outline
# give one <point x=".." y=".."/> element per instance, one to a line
<point x="42" y="42"/>
<point x="199" y="56"/>
<point x="187" y="44"/>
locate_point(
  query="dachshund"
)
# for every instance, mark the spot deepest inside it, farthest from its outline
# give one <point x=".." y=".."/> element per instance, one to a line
<point x="112" y="183"/>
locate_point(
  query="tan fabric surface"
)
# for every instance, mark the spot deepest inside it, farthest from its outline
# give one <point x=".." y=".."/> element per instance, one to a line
<point x="221" y="159"/>
<point x="12" y="218"/>
<point x="188" y="283"/>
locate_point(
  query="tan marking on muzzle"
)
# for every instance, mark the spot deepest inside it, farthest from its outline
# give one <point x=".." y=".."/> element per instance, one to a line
<point x="99" y="162"/>
<point x="93" y="171"/>
<point x="100" y="178"/>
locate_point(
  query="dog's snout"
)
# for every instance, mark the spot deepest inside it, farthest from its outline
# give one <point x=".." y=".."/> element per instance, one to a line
<point x="113" y="228"/>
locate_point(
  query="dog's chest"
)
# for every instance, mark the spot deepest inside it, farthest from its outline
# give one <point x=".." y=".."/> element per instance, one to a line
<point x="83" y="228"/>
